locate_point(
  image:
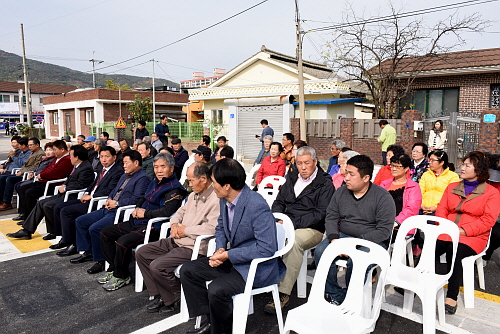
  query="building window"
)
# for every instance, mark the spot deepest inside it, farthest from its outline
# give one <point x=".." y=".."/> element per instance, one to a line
<point x="431" y="102"/>
<point x="495" y="96"/>
<point x="55" y="118"/>
<point x="16" y="98"/>
<point x="5" y="98"/>
<point x="217" y="116"/>
<point x="89" y="116"/>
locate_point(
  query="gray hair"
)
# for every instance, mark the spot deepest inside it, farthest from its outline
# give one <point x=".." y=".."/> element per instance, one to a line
<point x="100" y="142"/>
<point x="339" y="144"/>
<point x="307" y="150"/>
<point x="268" y="137"/>
<point x="201" y="169"/>
<point x="137" y="141"/>
<point x="114" y="144"/>
<point x="146" y="139"/>
<point x="349" y="154"/>
<point x="165" y="156"/>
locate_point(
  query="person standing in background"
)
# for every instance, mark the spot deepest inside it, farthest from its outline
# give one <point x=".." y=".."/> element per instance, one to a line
<point x="162" y="130"/>
<point x="387" y="138"/>
<point x="437" y="137"/>
<point x="266" y="131"/>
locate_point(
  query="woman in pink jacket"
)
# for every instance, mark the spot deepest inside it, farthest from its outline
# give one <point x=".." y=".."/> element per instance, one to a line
<point x="404" y="191"/>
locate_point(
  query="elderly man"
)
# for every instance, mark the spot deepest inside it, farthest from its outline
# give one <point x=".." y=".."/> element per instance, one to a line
<point x="304" y="198"/>
<point x="202" y="154"/>
<point x="147" y="160"/>
<point x="131" y="186"/>
<point x="358" y="210"/>
<point x="158" y="260"/>
<point x="163" y="197"/>
<point x="156" y="142"/>
<point x="18" y="157"/>
<point x="246" y="230"/>
<point x="336" y="147"/>
<point x="80" y="177"/>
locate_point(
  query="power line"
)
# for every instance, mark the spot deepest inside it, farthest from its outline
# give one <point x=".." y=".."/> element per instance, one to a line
<point x="191" y="35"/>
<point x="168" y="75"/>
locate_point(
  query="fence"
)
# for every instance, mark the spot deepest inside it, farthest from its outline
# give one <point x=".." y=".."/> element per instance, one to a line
<point x="363" y="128"/>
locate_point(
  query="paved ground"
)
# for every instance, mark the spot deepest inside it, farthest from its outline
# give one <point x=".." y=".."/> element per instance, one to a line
<point x="43" y="293"/>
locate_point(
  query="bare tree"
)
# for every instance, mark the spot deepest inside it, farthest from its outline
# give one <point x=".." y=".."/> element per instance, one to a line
<point x="386" y="55"/>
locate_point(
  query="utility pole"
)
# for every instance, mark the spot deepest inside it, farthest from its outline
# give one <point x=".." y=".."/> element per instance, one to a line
<point x="94" y="61"/>
<point x="26" y="83"/>
<point x="154" y="101"/>
<point x="302" y="106"/>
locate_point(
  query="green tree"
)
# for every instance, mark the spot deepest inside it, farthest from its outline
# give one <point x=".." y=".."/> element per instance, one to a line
<point x="141" y="109"/>
<point x="110" y="84"/>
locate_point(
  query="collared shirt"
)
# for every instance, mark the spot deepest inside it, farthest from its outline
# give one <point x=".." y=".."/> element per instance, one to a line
<point x="230" y="210"/>
<point x="302" y="183"/>
<point x="127" y="180"/>
<point x="415" y="163"/>
<point x="57" y="160"/>
<point x="103" y="171"/>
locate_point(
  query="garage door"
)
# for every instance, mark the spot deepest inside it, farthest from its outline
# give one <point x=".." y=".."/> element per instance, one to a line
<point x="249" y="125"/>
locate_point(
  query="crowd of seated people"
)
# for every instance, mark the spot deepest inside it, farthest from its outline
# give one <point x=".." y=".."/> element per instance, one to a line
<point x="323" y="206"/>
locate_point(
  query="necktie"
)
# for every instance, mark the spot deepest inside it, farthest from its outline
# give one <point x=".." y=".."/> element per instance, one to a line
<point x="99" y="179"/>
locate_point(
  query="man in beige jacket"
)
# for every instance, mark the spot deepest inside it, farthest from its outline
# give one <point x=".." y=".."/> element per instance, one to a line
<point x="158" y="260"/>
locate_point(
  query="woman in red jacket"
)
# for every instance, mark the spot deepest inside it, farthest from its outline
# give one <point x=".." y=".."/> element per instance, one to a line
<point x="473" y="205"/>
<point x="273" y="164"/>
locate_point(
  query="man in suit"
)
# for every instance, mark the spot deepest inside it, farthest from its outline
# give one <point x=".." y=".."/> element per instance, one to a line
<point x="247" y="224"/>
<point x="65" y="213"/>
<point x="59" y="168"/>
<point x="161" y="129"/>
<point x="81" y="176"/>
<point x="131" y="186"/>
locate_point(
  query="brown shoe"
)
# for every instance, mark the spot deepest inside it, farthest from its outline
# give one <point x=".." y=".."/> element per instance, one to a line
<point x="5" y="206"/>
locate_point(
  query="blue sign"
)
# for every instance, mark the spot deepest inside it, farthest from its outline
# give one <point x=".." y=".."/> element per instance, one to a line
<point x="489" y="118"/>
<point x="231" y="116"/>
<point x="39" y="119"/>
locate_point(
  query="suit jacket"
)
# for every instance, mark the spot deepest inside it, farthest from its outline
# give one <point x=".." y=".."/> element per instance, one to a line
<point x="108" y="182"/>
<point x="33" y="161"/>
<point x="135" y="188"/>
<point x="81" y="177"/>
<point x="57" y="170"/>
<point x="253" y="235"/>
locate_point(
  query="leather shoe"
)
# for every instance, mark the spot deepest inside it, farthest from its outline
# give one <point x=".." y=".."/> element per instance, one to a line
<point x="20" y="217"/>
<point x="155" y="305"/>
<point x="175" y="306"/>
<point x="204" y="329"/>
<point x="85" y="257"/>
<point x="59" y="245"/>
<point x="70" y="250"/>
<point x="96" y="268"/>
<point x="450" y="309"/>
<point x="5" y="206"/>
<point x="21" y="234"/>
<point x="49" y="236"/>
<point x="20" y="223"/>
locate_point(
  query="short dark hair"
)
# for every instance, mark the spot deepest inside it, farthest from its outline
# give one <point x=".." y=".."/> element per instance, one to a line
<point x="363" y="163"/>
<point x="110" y="149"/>
<point x="206" y="140"/>
<point x="134" y="156"/>
<point x="168" y="149"/>
<point x="60" y="144"/>
<point x="163" y="117"/>
<point x="105" y="134"/>
<point x="425" y="148"/>
<point x="403" y="159"/>
<point x="481" y="165"/>
<point x="289" y="136"/>
<point x="148" y="146"/>
<point x="201" y="169"/>
<point x="143" y="123"/>
<point x="345" y="149"/>
<point x="16" y="138"/>
<point x="222" y="138"/>
<point x="80" y="152"/>
<point x="227" y="151"/>
<point x="396" y="149"/>
<point x="23" y="141"/>
<point x="229" y="171"/>
<point x="48" y="145"/>
<point x="264" y="121"/>
<point x="441" y="156"/>
<point x="383" y="122"/>
<point x="35" y="140"/>
<point x="81" y="136"/>
<point x="299" y="143"/>
<point x="280" y="147"/>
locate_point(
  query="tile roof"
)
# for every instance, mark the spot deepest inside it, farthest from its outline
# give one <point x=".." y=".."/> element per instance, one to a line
<point x="36" y="88"/>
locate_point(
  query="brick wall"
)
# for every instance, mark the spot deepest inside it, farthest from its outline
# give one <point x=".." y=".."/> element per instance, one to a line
<point x="112" y="111"/>
<point x="488" y="137"/>
<point x="85" y="128"/>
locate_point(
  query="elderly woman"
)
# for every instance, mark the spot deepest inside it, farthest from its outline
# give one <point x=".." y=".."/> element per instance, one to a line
<point x="265" y="151"/>
<point x="338" y="179"/>
<point x="473" y="205"/>
<point x="419" y="165"/>
<point x="404" y="191"/>
<point x="434" y="182"/>
<point x="437" y="136"/>
<point x="384" y="172"/>
<point x="272" y="165"/>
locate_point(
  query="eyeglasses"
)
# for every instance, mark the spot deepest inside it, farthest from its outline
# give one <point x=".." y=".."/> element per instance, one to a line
<point x="434" y="160"/>
<point x="396" y="166"/>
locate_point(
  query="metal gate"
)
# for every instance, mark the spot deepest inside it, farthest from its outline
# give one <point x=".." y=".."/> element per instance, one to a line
<point x="463" y="129"/>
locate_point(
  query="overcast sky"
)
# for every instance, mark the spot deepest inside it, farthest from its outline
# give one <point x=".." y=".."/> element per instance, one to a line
<point x="66" y="32"/>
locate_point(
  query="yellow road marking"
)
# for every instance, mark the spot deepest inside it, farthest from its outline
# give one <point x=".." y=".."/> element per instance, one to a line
<point x="25" y="246"/>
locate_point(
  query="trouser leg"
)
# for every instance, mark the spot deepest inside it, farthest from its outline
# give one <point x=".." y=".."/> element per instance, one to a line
<point x="83" y="223"/>
<point x="68" y="217"/>
<point x="8" y="192"/>
<point x="109" y="235"/>
<point x="95" y="233"/>
<point x="494" y="241"/>
<point x="35" y="216"/>
<point x="31" y="197"/>
<point x="48" y="209"/>
<point x="331" y="287"/>
<point x="3" y="180"/>
<point x="304" y="239"/>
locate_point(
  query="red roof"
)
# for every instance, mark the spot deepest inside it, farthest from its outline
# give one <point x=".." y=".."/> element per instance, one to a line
<point x="36" y="88"/>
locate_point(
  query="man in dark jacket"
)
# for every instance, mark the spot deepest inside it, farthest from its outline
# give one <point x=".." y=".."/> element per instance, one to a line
<point x="304" y="198"/>
<point x="162" y="199"/>
<point x="180" y="154"/>
<point x="141" y="130"/>
<point x="81" y="176"/>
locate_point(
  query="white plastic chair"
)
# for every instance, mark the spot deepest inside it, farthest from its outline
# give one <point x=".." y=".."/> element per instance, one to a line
<point x="47" y="185"/>
<point x="271" y="194"/>
<point x="359" y="311"/>
<point x="100" y="202"/>
<point x="423" y="279"/>
<point x="80" y="193"/>
<point x="188" y="163"/>
<point x="303" y="279"/>
<point x="251" y="175"/>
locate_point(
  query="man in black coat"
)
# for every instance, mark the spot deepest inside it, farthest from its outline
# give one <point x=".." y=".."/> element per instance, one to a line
<point x="304" y="198"/>
<point x="81" y="176"/>
<point x="65" y="214"/>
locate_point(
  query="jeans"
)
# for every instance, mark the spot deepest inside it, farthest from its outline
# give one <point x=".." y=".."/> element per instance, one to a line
<point x="332" y="287"/>
<point x="7" y="182"/>
<point x="88" y="231"/>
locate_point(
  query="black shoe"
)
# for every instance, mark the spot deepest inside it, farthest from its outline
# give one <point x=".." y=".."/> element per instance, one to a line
<point x="155" y="305"/>
<point x="175" y="306"/>
<point x="399" y="290"/>
<point x="96" y="268"/>
<point x="70" y="250"/>
<point x="60" y="245"/>
<point x="49" y="236"/>
<point x="204" y="329"/>
<point x="21" y="234"/>
<point x="20" y="217"/>
<point x="20" y="223"/>
<point x="85" y="257"/>
<point x="450" y="309"/>
<point x="331" y="300"/>
<point x="311" y="266"/>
